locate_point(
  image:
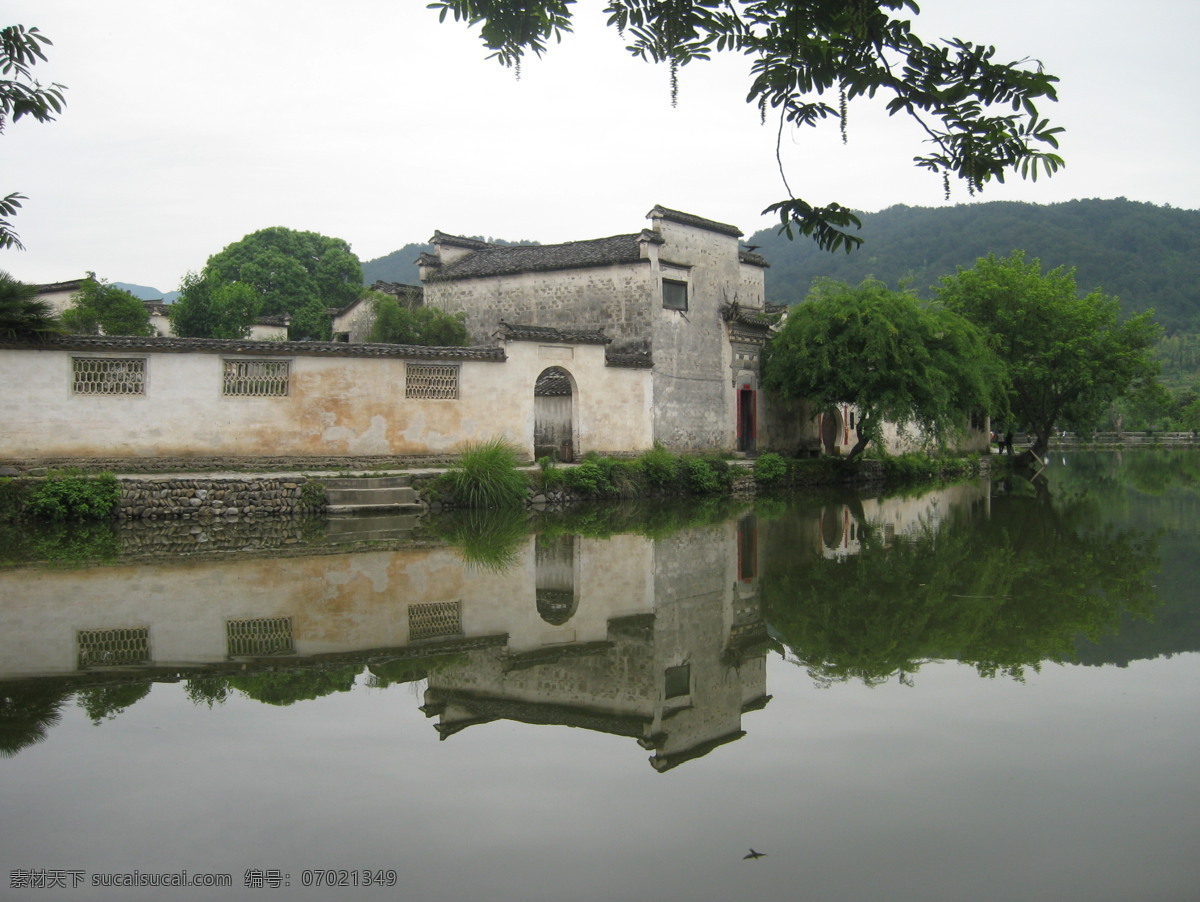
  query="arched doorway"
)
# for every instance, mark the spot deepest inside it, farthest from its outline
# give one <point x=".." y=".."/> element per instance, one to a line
<point x="553" y="415"/>
<point x="554" y="578"/>
<point x="830" y="427"/>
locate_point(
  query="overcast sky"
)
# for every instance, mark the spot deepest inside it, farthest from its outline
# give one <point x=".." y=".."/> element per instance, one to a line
<point x="191" y="124"/>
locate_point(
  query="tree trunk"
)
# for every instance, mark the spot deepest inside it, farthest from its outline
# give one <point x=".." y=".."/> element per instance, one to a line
<point x="859" y="446"/>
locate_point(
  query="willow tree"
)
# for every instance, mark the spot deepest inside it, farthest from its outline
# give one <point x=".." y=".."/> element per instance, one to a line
<point x="897" y="359"/>
<point x="811" y="60"/>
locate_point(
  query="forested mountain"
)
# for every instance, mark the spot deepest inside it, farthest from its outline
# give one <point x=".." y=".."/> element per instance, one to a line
<point x="1148" y="256"/>
<point x="398" y="266"/>
<point x="146" y="293"/>
<point x="401" y="266"/>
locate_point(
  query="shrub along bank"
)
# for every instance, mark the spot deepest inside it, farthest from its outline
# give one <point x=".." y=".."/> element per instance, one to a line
<point x="487" y="476"/>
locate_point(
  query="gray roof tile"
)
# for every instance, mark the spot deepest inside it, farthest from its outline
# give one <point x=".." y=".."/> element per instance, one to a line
<point x="502" y="261"/>
<point x="132" y="344"/>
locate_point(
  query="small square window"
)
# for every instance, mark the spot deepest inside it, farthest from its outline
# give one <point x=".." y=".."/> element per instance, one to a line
<point x="675" y="295"/>
<point x="678" y="681"/>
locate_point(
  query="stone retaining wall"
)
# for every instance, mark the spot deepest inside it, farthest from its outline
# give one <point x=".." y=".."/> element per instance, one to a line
<point x="36" y="466"/>
<point x="200" y="498"/>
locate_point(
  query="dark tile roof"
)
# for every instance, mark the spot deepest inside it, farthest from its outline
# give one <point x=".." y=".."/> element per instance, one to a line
<point x="132" y="344"/>
<point x="634" y="360"/>
<point x="753" y="259"/>
<point x="511" y="332"/>
<point x="70" y="285"/>
<point x="490" y="260"/>
<point x="553" y="382"/>
<point x="698" y="222"/>
<point x="746" y="316"/>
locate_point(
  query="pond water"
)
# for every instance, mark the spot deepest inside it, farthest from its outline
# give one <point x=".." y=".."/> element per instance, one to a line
<point x="984" y="691"/>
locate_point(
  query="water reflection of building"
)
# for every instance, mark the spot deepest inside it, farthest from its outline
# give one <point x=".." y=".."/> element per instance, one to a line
<point x="676" y="677"/>
<point x="661" y="640"/>
<point x="843" y="526"/>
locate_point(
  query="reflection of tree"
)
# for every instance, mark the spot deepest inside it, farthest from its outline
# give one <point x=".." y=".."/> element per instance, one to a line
<point x="106" y="702"/>
<point x="1002" y="594"/>
<point x="272" y="687"/>
<point x="27" y="711"/>
<point x="486" y="538"/>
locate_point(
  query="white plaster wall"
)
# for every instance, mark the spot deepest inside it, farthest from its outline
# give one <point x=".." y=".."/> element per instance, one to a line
<point x="335" y="406"/>
<point x="694" y="395"/>
<point x="615" y="298"/>
<point x="337" y="603"/>
<point x="611" y="405"/>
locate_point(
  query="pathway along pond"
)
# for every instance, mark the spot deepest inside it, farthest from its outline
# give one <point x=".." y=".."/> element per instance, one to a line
<point x="983" y="692"/>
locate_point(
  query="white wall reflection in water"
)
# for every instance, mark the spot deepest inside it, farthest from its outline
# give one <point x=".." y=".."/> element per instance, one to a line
<point x="486" y="734"/>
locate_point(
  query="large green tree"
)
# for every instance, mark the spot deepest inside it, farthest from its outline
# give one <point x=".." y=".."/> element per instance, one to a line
<point x="811" y="58"/>
<point x="208" y="310"/>
<point x="304" y="274"/>
<point x="895" y="358"/>
<point x="1068" y="357"/>
<point x="22" y="95"/>
<point x="99" y="308"/>
<point x="21" y="313"/>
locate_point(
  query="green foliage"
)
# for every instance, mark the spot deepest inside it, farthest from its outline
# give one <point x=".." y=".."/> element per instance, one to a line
<point x="13" y="495"/>
<point x="1068" y="358"/>
<point x="486" y="476"/>
<point x="21" y="313"/>
<point x="809" y="62"/>
<point x="59" y="543"/>
<point x="1002" y="593"/>
<point x="424" y="326"/>
<point x="106" y="702"/>
<point x="895" y="358"/>
<point x="22" y="95"/>
<point x="207" y="309"/>
<point x="99" y="308"/>
<point x="769" y="469"/>
<point x="705" y="476"/>
<point x="313" y="495"/>
<point x="73" y="497"/>
<point x="487" y="539"/>
<point x="299" y="273"/>
<point x="659" y="467"/>
<point x="588" y="479"/>
<point x="550" y="475"/>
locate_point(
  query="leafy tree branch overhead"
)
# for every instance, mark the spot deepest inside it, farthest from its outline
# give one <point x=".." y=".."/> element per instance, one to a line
<point x="811" y="59"/>
<point x="22" y="95"/>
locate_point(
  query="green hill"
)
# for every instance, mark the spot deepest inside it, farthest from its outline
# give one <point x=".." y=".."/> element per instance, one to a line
<point x="398" y="266"/>
<point x="1148" y="256"/>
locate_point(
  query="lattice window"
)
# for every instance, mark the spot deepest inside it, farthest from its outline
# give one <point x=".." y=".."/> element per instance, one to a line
<point x="109" y="375"/>
<point x="440" y="620"/>
<point x="113" y="648"/>
<point x="265" y="636"/>
<point x="257" y="378"/>
<point x="431" y="381"/>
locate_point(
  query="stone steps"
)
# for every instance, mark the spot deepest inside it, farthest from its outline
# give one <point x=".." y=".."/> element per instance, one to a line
<point x="370" y="494"/>
<point x="367" y="527"/>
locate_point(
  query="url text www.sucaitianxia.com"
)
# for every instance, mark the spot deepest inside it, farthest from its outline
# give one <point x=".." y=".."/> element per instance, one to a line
<point x="49" y="878"/>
